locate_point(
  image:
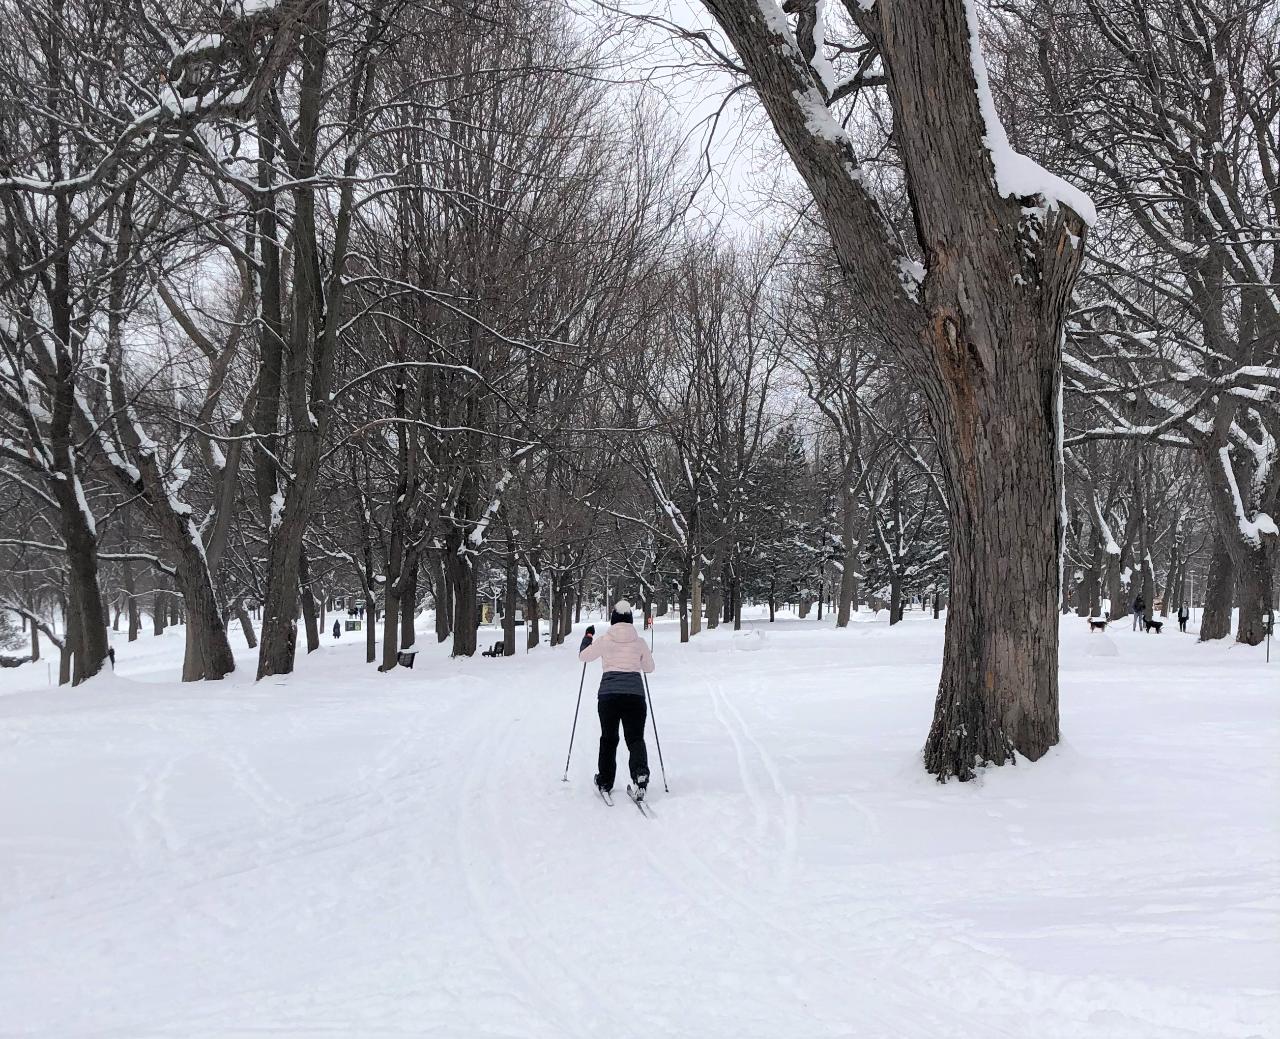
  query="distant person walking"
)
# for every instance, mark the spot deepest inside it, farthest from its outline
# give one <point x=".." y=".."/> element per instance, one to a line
<point x="1139" y="612"/>
<point x="337" y="629"/>
<point x="624" y="656"/>
<point x="1183" y="616"/>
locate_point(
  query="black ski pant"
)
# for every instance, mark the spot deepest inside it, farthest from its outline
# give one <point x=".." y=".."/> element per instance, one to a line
<point x="630" y="710"/>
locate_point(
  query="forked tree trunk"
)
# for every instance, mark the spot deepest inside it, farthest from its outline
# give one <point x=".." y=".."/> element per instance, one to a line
<point x="1215" y="619"/>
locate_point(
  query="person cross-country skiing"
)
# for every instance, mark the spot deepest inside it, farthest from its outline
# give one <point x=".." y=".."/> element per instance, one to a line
<point x="623" y="656"/>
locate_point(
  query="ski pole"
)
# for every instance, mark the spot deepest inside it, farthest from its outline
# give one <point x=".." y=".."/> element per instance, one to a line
<point x="574" y="730"/>
<point x="656" y="738"/>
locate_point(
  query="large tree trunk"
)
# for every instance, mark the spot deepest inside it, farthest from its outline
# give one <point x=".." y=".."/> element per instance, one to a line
<point x="1215" y="619"/>
<point x="462" y="576"/>
<point x="88" y="649"/>
<point x="895" y="596"/>
<point x="207" y="653"/>
<point x="999" y="690"/>
<point x="981" y="334"/>
<point x="1253" y="593"/>
<point x="1250" y="552"/>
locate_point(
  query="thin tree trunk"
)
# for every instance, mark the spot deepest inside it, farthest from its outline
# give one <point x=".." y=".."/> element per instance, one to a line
<point x="409" y="607"/>
<point x="531" y="589"/>
<point x="511" y="588"/>
<point x="307" y="601"/>
<point x="695" y="589"/>
<point x="684" y="607"/>
<point x="440" y="592"/>
<point x="848" y="564"/>
<point x="246" y="625"/>
<point x="370" y="628"/>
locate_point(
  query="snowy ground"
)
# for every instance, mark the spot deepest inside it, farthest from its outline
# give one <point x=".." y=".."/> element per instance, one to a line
<point x="344" y="853"/>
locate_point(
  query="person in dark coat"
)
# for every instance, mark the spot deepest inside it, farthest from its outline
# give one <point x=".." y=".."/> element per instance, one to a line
<point x="337" y="629"/>
<point x="1139" y="612"/>
<point x="1183" y="616"/>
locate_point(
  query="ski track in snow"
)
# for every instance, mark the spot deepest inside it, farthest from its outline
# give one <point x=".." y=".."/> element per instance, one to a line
<point x="343" y="853"/>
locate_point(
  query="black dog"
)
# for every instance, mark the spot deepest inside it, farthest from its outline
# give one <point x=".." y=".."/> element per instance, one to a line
<point x="1156" y="625"/>
<point x="1097" y="625"/>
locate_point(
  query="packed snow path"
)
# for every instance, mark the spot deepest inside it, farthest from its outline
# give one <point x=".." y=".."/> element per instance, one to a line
<point x="343" y="853"/>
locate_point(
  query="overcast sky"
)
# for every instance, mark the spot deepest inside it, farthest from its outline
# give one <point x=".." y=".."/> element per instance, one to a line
<point x="745" y="160"/>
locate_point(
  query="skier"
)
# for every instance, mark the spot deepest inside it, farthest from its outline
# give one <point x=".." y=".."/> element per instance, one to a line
<point x="623" y="656"/>
<point x="1139" y="612"/>
<point x="1183" y="616"/>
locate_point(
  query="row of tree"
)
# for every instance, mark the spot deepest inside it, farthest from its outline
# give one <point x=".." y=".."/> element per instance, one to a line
<point x="405" y="303"/>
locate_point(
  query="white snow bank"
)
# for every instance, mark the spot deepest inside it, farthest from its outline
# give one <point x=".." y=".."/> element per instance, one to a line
<point x="345" y="853"/>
